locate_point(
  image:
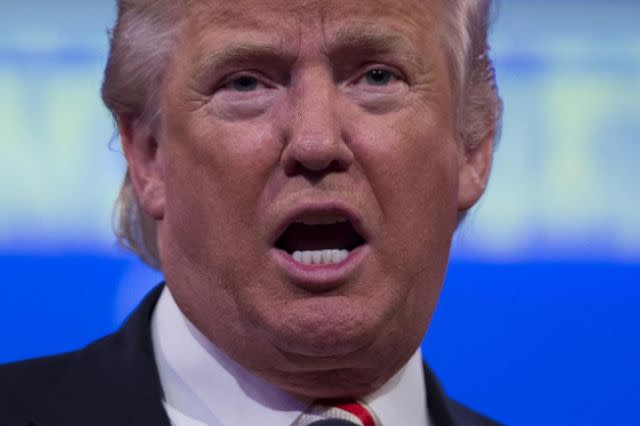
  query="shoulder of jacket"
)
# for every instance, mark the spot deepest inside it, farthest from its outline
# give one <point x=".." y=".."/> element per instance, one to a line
<point x="463" y="415"/>
<point x="27" y="385"/>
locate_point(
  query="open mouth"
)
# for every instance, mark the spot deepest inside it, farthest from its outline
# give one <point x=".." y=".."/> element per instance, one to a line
<point x="320" y="239"/>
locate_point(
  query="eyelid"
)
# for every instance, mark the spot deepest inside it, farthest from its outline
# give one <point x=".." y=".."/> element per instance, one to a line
<point x="229" y="78"/>
<point x="397" y="74"/>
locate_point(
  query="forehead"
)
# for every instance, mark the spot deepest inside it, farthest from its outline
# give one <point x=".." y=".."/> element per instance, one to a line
<point x="292" y="18"/>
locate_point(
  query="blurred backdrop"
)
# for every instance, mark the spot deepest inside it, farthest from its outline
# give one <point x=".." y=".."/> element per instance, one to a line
<point x="539" y="322"/>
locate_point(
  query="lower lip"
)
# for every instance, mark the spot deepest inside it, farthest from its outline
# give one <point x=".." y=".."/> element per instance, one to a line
<point x="318" y="278"/>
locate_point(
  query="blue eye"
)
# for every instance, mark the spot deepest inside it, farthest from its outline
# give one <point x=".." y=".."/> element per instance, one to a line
<point x="244" y="83"/>
<point x="379" y="77"/>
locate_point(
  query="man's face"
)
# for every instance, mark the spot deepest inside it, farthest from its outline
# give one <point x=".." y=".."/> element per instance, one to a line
<point x="299" y="127"/>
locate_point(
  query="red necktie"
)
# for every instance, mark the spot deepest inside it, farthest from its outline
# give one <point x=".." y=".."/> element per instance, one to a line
<point x="337" y="413"/>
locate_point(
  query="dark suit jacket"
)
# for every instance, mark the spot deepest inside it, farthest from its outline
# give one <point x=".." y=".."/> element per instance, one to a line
<point x="114" y="382"/>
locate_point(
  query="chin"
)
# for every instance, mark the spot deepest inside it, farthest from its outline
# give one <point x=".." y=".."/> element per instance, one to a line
<point x="324" y="330"/>
<point x="323" y="356"/>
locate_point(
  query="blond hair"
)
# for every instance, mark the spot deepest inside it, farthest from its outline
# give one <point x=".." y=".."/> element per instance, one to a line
<point x="145" y="36"/>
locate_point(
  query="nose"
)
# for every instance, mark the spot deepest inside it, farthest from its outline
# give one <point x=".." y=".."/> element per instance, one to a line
<point x="316" y="142"/>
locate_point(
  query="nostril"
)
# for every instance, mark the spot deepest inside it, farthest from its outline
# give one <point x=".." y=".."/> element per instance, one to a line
<point x="316" y="154"/>
<point x="299" y="169"/>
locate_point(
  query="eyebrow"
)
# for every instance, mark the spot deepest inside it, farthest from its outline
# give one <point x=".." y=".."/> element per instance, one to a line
<point x="376" y="40"/>
<point x="242" y="52"/>
<point x="371" y="36"/>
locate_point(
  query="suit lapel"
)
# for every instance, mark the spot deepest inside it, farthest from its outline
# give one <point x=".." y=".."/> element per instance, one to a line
<point x="437" y="400"/>
<point x="445" y="411"/>
<point x="114" y="381"/>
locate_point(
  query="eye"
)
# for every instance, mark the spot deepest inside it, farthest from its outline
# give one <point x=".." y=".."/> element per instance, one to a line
<point x="242" y="83"/>
<point x="379" y="77"/>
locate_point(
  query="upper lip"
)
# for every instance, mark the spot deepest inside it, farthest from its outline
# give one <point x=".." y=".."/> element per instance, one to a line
<point x="329" y="208"/>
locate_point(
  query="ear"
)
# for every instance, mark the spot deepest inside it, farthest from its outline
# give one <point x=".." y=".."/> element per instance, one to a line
<point x="144" y="160"/>
<point x="473" y="173"/>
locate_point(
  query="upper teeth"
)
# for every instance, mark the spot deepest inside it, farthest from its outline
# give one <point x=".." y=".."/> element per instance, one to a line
<point x="321" y="219"/>
<point x="320" y="257"/>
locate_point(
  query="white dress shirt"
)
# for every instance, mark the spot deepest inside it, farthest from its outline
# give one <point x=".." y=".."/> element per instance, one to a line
<point x="203" y="386"/>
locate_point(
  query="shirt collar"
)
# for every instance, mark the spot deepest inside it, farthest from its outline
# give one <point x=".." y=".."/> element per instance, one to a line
<point x="202" y="385"/>
<point x="401" y="401"/>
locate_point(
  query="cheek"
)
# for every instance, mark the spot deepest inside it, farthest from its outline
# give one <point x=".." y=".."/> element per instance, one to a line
<point x="214" y="177"/>
<point x="411" y="165"/>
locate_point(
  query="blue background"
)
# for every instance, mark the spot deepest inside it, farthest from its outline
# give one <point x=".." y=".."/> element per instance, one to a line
<point x="539" y="320"/>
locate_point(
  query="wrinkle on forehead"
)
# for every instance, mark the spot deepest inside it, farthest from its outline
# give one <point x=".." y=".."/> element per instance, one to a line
<point x="244" y="13"/>
<point x="207" y="14"/>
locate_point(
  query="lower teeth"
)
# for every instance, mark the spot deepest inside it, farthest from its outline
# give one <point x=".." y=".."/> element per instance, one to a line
<point x="320" y="257"/>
